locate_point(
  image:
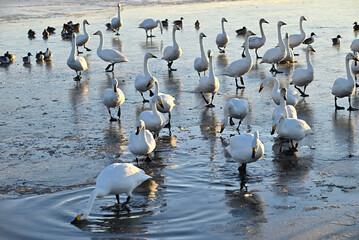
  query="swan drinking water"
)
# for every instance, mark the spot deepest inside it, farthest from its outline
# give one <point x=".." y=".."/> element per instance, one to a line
<point x="149" y="24"/>
<point x="234" y="108"/>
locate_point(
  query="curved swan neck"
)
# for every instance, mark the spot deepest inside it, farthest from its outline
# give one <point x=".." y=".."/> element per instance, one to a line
<point x="261" y="30"/>
<point x="226" y="112"/>
<point x="223" y="31"/>
<point x="145" y="67"/>
<point x="276" y="85"/>
<point x="246" y="49"/>
<point x="301" y="26"/>
<point x="143" y="133"/>
<point x="119" y="11"/>
<point x="157" y="89"/>
<point x="154" y="107"/>
<point x="86" y="211"/>
<point x="85" y="29"/>
<point x="100" y="46"/>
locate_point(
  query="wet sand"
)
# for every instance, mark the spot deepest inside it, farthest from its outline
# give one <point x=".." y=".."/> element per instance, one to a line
<point x="56" y="136"/>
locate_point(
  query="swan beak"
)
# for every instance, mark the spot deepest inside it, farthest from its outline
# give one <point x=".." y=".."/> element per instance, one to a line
<point x="355" y="59"/>
<point x="95" y="33"/>
<point x="304" y="19"/>
<point x="254" y="150"/>
<point x="261" y="88"/>
<point x="153" y="56"/>
<point x="225" y="20"/>
<point x="138" y="129"/>
<point x="177" y="27"/>
<point x="312" y="49"/>
<point x="160" y="103"/>
<point x="222" y="128"/>
<point x="252" y="33"/>
<point x="77" y="219"/>
<point x="149" y="83"/>
<point x="273" y="130"/>
<point x="285" y="96"/>
<point x="204" y="35"/>
<point x="265" y="21"/>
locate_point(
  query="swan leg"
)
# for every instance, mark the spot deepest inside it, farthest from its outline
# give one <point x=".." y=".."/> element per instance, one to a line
<point x="295" y="54"/>
<point x="210" y="105"/>
<point x="148" y="159"/>
<point x="242" y="169"/>
<point x="169" y="65"/>
<point x="124" y="205"/>
<point x="168" y="125"/>
<point x="108" y="67"/>
<point x="87" y="49"/>
<point x="240" y="121"/>
<point x="257" y="53"/>
<point x="151" y="93"/>
<point x="243" y="55"/>
<point x="78" y="52"/>
<point x="242" y="82"/>
<point x="151" y="34"/>
<point x="220" y="50"/>
<point x="231" y="121"/>
<point x="204" y="98"/>
<point x="336" y="105"/>
<point x="350" y="108"/>
<point x="78" y="77"/>
<point x="118" y="199"/>
<point x="112" y="119"/>
<point x="199" y="75"/>
<point x="117" y="34"/>
<point x="144" y="100"/>
<point x="119" y="112"/>
<point x="302" y="94"/>
<point x="276" y="70"/>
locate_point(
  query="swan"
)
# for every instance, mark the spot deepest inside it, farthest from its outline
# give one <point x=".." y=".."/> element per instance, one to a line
<point x="112" y="98"/>
<point x="26" y="59"/>
<point x="289" y="57"/>
<point x="291" y="95"/>
<point x="141" y="141"/>
<point x="115" y="179"/>
<point x="76" y="63"/>
<point x="344" y="87"/>
<point x="240" y="67"/>
<point x="355" y="69"/>
<point x="10" y="56"/>
<point x="222" y="39"/>
<point x="234" y="108"/>
<point x="310" y="40"/>
<point x="356" y="26"/>
<point x="171" y="53"/>
<point x="109" y="55"/>
<point x="83" y="39"/>
<point x="149" y="24"/>
<point x="354" y="46"/>
<point x="116" y="22"/>
<point x="209" y="84"/>
<point x="245" y="148"/>
<point x="178" y="22"/>
<point x="201" y="63"/>
<point x="296" y="39"/>
<point x="153" y="119"/>
<point x="142" y="80"/>
<point x="292" y="129"/>
<point x="277" y="54"/>
<point x="167" y="102"/>
<point x="48" y="54"/>
<point x="258" y="42"/>
<point x="303" y="76"/>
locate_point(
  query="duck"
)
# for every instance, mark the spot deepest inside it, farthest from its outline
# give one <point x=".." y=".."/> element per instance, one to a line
<point x="40" y="56"/>
<point x="245" y="148"/>
<point x="171" y="53"/>
<point x="48" y="55"/>
<point x="4" y="60"/>
<point x="165" y="23"/>
<point x="241" y="31"/>
<point x="153" y="119"/>
<point x="292" y="96"/>
<point x="355" y="69"/>
<point x="76" y="63"/>
<point x="201" y="64"/>
<point x="51" y="30"/>
<point x="83" y="39"/>
<point x="258" y="42"/>
<point x="209" y="84"/>
<point x="141" y="141"/>
<point x="336" y="40"/>
<point x="344" y="87"/>
<point x="27" y="59"/>
<point x="302" y="77"/>
<point x="292" y="129"/>
<point x="356" y="26"/>
<point x="309" y="40"/>
<point x="289" y="52"/>
<point x="112" y="98"/>
<point x="354" y="46"/>
<point x="45" y="34"/>
<point x="109" y="55"/>
<point x="116" y="179"/>
<point x="116" y="22"/>
<point x="168" y="102"/>
<point x="150" y="24"/>
<point x="242" y="66"/>
<point x="234" y="108"/>
<point x="197" y="24"/>
<point x="31" y="33"/>
<point x="178" y="22"/>
<point x="10" y="56"/>
<point x="75" y="27"/>
<point x="142" y="80"/>
<point x="277" y="54"/>
<point x="296" y="39"/>
<point x="222" y="39"/>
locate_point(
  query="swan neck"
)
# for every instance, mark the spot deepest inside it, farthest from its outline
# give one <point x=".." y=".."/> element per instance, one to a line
<point x="100" y="46"/>
<point x="203" y="54"/>
<point x="211" y="70"/>
<point x="157" y="90"/>
<point x="309" y="65"/>
<point x="349" y="75"/>
<point x="154" y="108"/>
<point x="246" y="49"/>
<point x="119" y="12"/>
<point x="174" y="37"/>
<point x="280" y="40"/>
<point x="72" y="54"/>
<point x="86" y="211"/>
<point x="276" y="85"/>
<point x="223" y="31"/>
<point x="301" y="27"/>
<point x="261" y="30"/>
<point x="85" y="29"/>
<point x="145" y="67"/>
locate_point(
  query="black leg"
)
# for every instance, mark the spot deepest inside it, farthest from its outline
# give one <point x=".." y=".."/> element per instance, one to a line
<point x="125" y="203"/>
<point x="237" y="83"/>
<point x="231" y="121"/>
<point x="144" y="100"/>
<point x="239" y="124"/>
<point x="204" y="98"/>
<point x="118" y="199"/>
<point x="302" y="94"/>
<point x="350" y="105"/>
<point x="336" y="105"/>
<point x="170" y="66"/>
<point x="148" y="159"/>
<point x="108" y="67"/>
<point x="119" y="112"/>
<point x="242" y="169"/>
<point x="87" y="49"/>
<point x="168" y="125"/>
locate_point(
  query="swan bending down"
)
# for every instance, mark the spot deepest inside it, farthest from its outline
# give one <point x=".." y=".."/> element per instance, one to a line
<point x="83" y="39"/>
<point x="245" y="148"/>
<point x="291" y="95"/>
<point x="222" y="39"/>
<point x="76" y="63"/>
<point x="296" y="39"/>
<point x="149" y="24"/>
<point x="277" y="54"/>
<point x="289" y="52"/>
<point x="109" y="55"/>
<point x="142" y="83"/>
<point x="242" y="66"/>
<point x="153" y="119"/>
<point x="234" y="108"/>
<point x="258" y="42"/>
<point x="344" y="87"/>
<point x="115" y="179"/>
<point x="209" y="84"/>
<point x="174" y="52"/>
<point x="116" y="22"/>
<point x="112" y="98"/>
<point x="201" y="64"/>
<point x="302" y="77"/>
<point x="167" y="102"/>
<point x="141" y="141"/>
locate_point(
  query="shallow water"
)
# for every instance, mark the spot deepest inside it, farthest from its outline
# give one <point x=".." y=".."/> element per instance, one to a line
<point x="56" y="136"/>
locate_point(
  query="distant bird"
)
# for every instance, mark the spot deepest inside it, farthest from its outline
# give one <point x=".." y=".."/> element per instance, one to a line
<point x="356" y="26"/>
<point x="258" y="42"/>
<point x="51" y="30"/>
<point x="153" y="119"/>
<point x="165" y="23"/>
<point x="142" y="81"/>
<point x="310" y="40"/>
<point x="4" y="60"/>
<point x="76" y="27"/>
<point x="178" y="22"/>
<point x="76" y="63"/>
<point x="115" y="179"/>
<point x="112" y="98"/>
<point x="149" y="24"/>
<point x="234" y="108"/>
<point x="40" y="56"/>
<point x="116" y="22"/>
<point x="222" y="39"/>
<point x="45" y="34"/>
<point x="27" y="59"/>
<point x="10" y="56"/>
<point x="201" y="64"/>
<point x="141" y="141"/>
<point x="83" y="39"/>
<point x="108" y="25"/>
<point x="241" y="31"/>
<point x="31" y="33"/>
<point x="197" y="24"/>
<point x="336" y="41"/>
<point x="174" y="52"/>
<point x="48" y="55"/>
<point x="109" y="55"/>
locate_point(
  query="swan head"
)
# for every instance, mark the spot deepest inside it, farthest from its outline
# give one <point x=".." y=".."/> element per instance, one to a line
<point x="202" y="35"/>
<point x="114" y="84"/>
<point x="265" y="81"/>
<point x="139" y="126"/>
<point x="351" y="56"/>
<point x="302" y="18"/>
<point x="283" y="93"/>
<point x="263" y="21"/>
<point x="86" y="22"/>
<point x="210" y="53"/>
<point x="281" y="23"/>
<point x="151" y="81"/>
<point x="224" y="20"/>
<point x="119" y="5"/>
<point x="99" y="32"/>
<point x="249" y="33"/>
<point x="224" y="124"/>
<point x="310" y="48"/>
<point x="149" y="55"/>
<point x="176" y="27"/>
<point x="255" y="143"/>
<point x="157" y="99"/>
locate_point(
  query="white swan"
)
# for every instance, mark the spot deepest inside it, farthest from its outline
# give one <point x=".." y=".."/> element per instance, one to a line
<point x="109" y="55"/>
<point x="83" y="39"/>
<point x="76" y="63"/>
<point x="201" y="64"/>
<point x="26" y="59"/>
<point x="174" y="52"/>
<point x="222" y="39"/>
<point x="277" y="54"/>
<point x="242" y="66"/>
<point x="112" y="98"/>
<point x="354" y="46"/>
<point x="115" y="179"/>
<point x="234" y="108"/>
<point x="209" y="84"/>
<point x="258" y="42"/>
<point x="142" y="80"/>
<point x="149" y="24"/>
<point x="289" y="52"/>
<point x="302" y="77"/>
<point x="355" y="69"/>
<point x="141" y="141"/>
<point x="245" y="148"/>
<point x="116" y="22"/>
<point x="48" y="54"/>
<point x="291" y="95"/>
<point x="168" y="102"/>
<point x="153" y="119"/>
<point x="344" y="87"/>
<point x="296" y="39"/>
